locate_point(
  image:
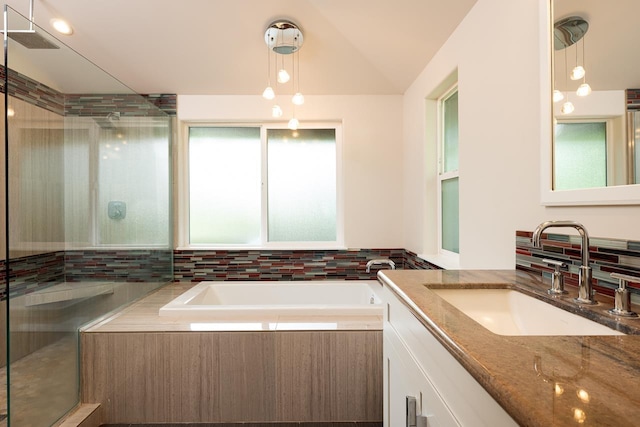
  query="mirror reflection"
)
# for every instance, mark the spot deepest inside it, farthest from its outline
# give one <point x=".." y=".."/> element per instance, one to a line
<point x="596" y="98"/>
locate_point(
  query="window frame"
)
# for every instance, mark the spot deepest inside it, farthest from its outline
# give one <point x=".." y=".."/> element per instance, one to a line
<point x="182" y="212"/>
<point x="441" y="176"/>
<point x="609" y="149"/>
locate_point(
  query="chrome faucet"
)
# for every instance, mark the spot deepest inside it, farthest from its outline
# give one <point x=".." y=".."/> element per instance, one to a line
<point x="391" y="264"/>
<point x="585" y="285"/>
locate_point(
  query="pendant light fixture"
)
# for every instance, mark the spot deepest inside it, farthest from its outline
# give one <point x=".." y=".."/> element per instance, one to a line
<point x="276" y="111"/>
<point x="293" y="124"/>
<point x="567" y="32"/>
<point x="269" y="92"/>
<point x="578" y="71"/>
<point x="584" y="89"/>
<point x="567" y="107"/>
<point x="284" y="38"/>
<point x="298" y="98"/>
<point x="557" y="95"/>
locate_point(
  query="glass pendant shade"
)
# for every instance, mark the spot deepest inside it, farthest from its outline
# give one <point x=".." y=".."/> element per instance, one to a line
<point x="283" y="76"/>
<point x="293" y="124"/>
<point x="557" y="96"/>
<point x="577" y="73"/>
<point x="298" y="99"/>
<point x="268" y="93"/>
<point x="584" y="89"/>
<point x="276" y="111"/>
<point x="567" y="108"/>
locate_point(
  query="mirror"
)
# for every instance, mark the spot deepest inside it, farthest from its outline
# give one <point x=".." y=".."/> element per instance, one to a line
<point x="594" y="136"/>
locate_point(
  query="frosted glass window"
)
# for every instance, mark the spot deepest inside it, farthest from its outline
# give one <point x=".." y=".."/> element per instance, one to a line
<point x="580" y="155"/>
<point x="450" y="215"/>
<point x="302" y="185"/>
<point x="224" y="185"/>
<point x="133" y="170"/>
<point x="449" y="174"/>
<point x="450" y="132"/>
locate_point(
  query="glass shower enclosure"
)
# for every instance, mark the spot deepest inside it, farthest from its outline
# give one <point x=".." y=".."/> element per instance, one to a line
<point x="85" y="215"/>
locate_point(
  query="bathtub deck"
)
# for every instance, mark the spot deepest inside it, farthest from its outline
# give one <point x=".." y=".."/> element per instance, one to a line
<point x="143" y="316"/>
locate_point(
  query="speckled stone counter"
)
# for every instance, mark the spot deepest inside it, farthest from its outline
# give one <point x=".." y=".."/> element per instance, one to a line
<point x="538" y="380"/>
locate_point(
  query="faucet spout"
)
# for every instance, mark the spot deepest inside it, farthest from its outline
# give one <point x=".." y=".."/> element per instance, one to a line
<point x="585" y="285"/>
<point x="372" y="262"/>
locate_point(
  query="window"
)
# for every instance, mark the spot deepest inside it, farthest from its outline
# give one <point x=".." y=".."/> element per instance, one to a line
<point x="263" y="186"/>
<point x="448" y="175"/>
<point x="580" y="155"/>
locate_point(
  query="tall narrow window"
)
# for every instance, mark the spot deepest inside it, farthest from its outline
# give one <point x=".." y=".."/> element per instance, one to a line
<point x="448" y="176"/>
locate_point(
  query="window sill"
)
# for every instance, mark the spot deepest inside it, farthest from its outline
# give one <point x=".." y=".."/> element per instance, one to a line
<point x="446" y="262"/>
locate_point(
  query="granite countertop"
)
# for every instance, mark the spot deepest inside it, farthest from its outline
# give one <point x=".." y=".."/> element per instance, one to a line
<point x="538" y="380"/>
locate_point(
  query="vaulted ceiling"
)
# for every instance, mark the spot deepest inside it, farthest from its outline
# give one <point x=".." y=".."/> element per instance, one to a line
<point x="217" y="47"/>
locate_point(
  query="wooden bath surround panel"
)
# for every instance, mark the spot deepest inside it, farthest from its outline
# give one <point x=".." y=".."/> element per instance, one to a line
<point x="188" y="377"/>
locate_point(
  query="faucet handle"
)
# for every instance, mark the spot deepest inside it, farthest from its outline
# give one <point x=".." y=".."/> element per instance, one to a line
<point x="557" y="279"/>
<point x="622" y="296"/>
<point x="391" y="264"/>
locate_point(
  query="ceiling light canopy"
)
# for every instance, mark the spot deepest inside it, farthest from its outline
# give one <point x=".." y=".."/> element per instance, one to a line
<point x="568" y="31"/>
<point x="283" y="37"/>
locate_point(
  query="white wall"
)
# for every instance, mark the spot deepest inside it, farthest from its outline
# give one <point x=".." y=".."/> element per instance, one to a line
<point x="496" y="50"/>
<point x="372" y="160"/>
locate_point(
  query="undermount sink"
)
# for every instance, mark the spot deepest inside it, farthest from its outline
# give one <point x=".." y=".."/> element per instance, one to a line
<point x="509" y="312"/>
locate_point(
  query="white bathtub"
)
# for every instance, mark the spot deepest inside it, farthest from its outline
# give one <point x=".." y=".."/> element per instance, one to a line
<point x="236" y="300"/>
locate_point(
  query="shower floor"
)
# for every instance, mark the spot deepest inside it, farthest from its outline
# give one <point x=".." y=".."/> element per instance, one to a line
<point x="41" y="384"/>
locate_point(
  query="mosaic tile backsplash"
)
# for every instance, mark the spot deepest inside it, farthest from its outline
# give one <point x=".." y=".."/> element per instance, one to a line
<point x="606" y="256"/>
<point x="199" y="265"/>
<point x="633" y="99"/>
<point x="40" y="271"/>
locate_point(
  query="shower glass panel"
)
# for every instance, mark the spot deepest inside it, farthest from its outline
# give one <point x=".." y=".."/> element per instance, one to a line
<point x="86" y="210"/>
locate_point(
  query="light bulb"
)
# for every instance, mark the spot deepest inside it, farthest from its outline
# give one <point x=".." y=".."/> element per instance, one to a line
<point x="11" y="112"/>
<point x="584" y="89"/>
<point x="283" y="76"/>
<point x="61" y="26"/>
<point x="567" y="108"/>
<point x="293" y="124"/>
<point x="276" y="111"/>
<point x="557" y="96"/>
<point x="268" y="93"/>
<point x="298" y="99"/>
<point x="577" y="73"/>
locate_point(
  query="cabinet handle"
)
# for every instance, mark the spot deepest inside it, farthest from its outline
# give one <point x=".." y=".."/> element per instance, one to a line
<point x="411" y="412"/>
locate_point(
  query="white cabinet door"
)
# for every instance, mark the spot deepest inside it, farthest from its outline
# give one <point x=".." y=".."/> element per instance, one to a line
<point x="403" y="377"/>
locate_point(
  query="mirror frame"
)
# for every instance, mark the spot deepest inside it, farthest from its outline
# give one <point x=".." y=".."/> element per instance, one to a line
<point x="614" y="195"/>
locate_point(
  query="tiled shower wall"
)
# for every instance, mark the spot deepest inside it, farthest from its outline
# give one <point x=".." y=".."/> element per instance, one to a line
<point x="30" y="273"/>
<point x="606" y="256"/>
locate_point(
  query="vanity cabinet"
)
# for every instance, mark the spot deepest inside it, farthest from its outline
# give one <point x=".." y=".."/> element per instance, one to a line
<point x="416" y="364"/>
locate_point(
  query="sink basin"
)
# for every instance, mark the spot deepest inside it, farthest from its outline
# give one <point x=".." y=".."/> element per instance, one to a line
<point x="509" y="312"/>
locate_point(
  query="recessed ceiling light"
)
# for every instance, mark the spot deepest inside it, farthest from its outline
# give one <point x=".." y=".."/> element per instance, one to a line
<point x="62" y="26"/>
